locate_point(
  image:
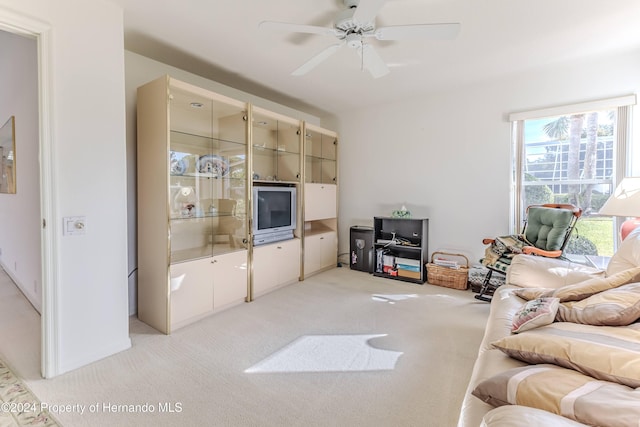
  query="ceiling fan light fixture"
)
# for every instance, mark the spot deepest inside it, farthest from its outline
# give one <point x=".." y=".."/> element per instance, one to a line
<point x="354" y="40"/>
<point x="357" y="22"/>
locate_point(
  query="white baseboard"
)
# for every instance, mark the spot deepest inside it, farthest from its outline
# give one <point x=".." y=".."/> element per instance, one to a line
<point x="33" y="299"/>
<point x="94" y="356"/>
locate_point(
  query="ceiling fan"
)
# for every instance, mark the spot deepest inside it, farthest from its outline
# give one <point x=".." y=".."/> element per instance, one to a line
<point x="354" y="25"/>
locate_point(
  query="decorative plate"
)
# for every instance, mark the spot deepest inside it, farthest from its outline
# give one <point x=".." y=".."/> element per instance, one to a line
<point x="178" y="166"/>
<point x="213" y="165"/>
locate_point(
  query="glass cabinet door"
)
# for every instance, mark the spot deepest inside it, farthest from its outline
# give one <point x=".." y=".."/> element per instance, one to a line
<point x="320" y="156"/>
<point x="207" y="159"/>
<point x="276" y="147"/>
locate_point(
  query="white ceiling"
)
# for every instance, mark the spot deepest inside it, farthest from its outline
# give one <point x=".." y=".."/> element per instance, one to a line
<point x="220" y="40"/>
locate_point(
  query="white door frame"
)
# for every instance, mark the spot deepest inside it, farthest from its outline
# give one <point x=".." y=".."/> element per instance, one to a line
<point x="17" y="23"/>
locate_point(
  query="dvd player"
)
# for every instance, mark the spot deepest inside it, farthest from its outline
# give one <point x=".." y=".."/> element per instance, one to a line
<point x="276" y="236"/>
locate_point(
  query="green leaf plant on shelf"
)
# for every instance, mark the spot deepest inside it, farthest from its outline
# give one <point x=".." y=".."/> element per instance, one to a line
<point x="402" y="213"/>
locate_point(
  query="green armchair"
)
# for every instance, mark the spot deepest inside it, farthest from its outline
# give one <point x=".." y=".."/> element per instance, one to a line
<point x="546" y="232"/>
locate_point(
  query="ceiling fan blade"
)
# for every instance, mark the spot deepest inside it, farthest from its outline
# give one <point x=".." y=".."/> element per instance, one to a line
<point x="372" y="62"/>
<point x="298" y="28"/>
<point x="317" y="59"/>
<point x="367" y="10"/>
<point x="424" y="32"/>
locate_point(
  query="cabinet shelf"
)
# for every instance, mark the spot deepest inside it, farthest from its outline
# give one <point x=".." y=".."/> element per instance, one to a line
<point x="182" y="137"/>
<point x="198" y="175"/>
<point x="399" y="247"/>
<point x="318" y="230"/>
<point x="328" y="159"/>
<point x="258" y="148"/>
<point x="203" y="216"/>
<point x="274" y="183"/>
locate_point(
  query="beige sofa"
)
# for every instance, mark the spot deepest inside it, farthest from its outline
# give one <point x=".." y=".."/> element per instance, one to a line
<point x="535" y="272"/>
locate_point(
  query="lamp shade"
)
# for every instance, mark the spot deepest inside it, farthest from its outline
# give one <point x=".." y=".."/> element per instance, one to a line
<point x="625" y="200"/>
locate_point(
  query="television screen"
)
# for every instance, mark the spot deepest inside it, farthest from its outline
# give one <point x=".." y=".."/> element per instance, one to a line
<point x="274" y="209"/>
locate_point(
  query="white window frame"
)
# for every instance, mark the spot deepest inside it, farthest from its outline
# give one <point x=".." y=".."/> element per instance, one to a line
<point x="623" y="161"/>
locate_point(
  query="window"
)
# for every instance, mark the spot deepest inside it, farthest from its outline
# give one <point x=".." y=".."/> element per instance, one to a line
<point x="573" y="154"/>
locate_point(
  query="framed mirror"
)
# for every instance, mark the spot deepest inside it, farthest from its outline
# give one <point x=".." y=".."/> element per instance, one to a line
<point x="8" y="156"/>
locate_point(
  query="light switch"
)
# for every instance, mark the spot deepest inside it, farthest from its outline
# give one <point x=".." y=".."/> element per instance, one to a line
<point x="74" y="225"/>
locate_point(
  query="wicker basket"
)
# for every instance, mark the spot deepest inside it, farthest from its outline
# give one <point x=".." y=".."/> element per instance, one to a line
<point x="448" y="277"/>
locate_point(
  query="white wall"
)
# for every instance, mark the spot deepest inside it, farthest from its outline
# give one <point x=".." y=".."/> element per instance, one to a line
<point x="140" y="70"/>
<point x="447" y="155"/>
<point x="87" y="110"/>
<point x="20" y="212"/>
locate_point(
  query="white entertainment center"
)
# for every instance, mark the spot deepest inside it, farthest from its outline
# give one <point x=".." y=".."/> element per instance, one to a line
<point x="234" y="201"/>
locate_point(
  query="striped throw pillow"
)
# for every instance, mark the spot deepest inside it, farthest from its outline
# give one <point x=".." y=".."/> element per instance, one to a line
<point x="610" y="353"/>
<point x="563" y="392"/>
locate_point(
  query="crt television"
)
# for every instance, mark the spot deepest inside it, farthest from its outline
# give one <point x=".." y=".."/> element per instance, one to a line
<point x="274" y="213"/>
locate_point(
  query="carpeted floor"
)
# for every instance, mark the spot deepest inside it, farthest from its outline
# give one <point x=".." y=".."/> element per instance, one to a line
<point x="202" y="374"/>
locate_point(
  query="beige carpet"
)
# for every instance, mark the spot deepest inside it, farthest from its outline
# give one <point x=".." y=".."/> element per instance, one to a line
<point x="197" y="376"/>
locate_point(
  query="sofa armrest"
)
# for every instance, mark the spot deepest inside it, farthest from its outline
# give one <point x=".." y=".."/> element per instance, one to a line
<point x="528" y="271"/>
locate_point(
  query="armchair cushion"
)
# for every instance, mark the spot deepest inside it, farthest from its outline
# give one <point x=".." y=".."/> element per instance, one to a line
<point x="547" y="227"/>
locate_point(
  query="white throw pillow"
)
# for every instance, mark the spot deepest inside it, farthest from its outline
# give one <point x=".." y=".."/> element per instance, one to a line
<point x="535" y="313"/>
<point x="628" y="254"/>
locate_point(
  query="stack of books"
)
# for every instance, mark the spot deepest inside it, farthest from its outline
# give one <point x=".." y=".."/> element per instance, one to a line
<point x="408" y="267"/>
<point x="388" y="262"/>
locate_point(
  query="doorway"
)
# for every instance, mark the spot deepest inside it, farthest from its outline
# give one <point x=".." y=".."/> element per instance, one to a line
<point x="20" y="240"/>
<point x="38" y="184"/>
